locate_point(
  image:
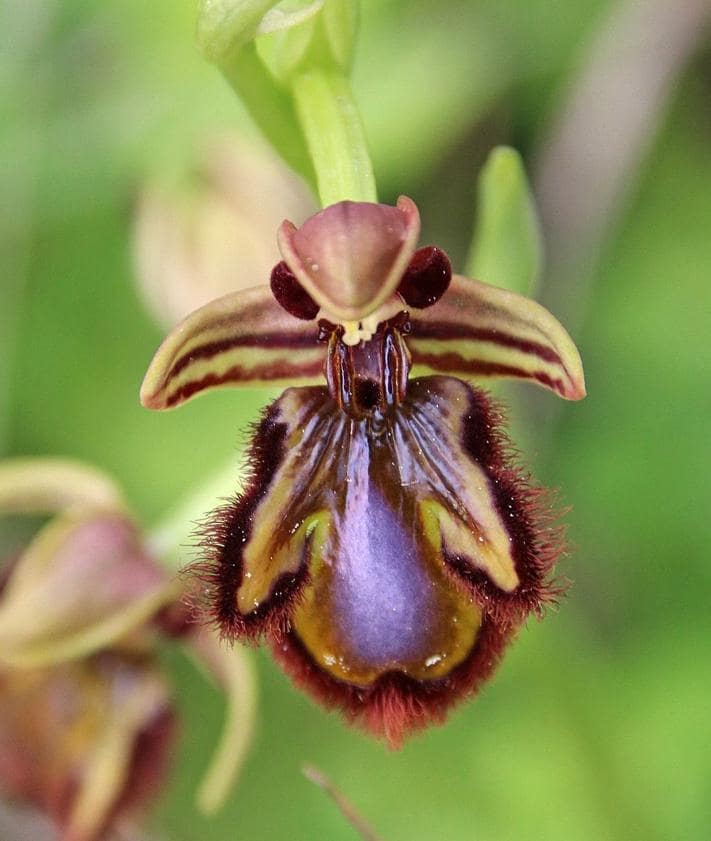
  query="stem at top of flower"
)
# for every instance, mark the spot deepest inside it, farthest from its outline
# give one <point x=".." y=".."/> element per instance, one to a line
<point x="270" y="107"/>
<point x="290" y="67"/>
<point x="332" y="126"/>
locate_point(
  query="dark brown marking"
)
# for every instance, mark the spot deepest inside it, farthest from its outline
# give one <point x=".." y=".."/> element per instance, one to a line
<point x="280" y="341"/>
<point x="370" y="376"/>
<point x="426" y="278"/>
<point x="291" y="295"/>
<point x="447" y="331"/>
<point x="476" y="367"/>
<point x="240" y="374"/>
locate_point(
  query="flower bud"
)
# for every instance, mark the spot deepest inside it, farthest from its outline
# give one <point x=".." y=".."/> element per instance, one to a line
<point x="86" y="714"/>
<point x="191" y="248"/>
<point x="225" y="26"/>
<point x="85" y="741"/>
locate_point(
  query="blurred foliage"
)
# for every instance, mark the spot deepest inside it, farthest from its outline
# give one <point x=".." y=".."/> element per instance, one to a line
<point x="506" y="246"/>
<point x="597" y="724"/>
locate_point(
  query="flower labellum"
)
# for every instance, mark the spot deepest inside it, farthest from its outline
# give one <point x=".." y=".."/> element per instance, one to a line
<point x="385" y="545"/>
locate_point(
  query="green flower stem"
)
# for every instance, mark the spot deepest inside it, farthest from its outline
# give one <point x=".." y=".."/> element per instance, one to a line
<point x="334" y="134"/>
<point x="270" y="106"/>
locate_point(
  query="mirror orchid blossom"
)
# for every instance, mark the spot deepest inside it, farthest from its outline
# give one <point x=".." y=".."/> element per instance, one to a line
<point x="386" y="544"/>
<point x="87" y="718"/>
<point x="87" y="712"/>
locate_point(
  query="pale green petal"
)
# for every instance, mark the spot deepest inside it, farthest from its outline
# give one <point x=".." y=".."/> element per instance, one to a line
<point x="233" y="669"/>
<point x="226" y="25"/>
<point x="46" y="485"/>
<point x="481" y="331"/>
<point x="340" y="19"/>
<point x="244" y="338"/>
<point x="288" y="14"/>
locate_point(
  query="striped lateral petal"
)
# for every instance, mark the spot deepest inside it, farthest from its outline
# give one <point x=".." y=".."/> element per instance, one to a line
<point x="241" y="339"/>
<point x="481" y="331"/>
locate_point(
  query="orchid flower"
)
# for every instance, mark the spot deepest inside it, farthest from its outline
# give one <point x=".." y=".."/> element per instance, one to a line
<point x="385" y="544"/>
<point x="87" y="716"/>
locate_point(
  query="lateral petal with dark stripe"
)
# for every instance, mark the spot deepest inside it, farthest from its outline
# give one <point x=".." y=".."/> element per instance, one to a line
<point x="482" y="331"/>
<point x="241" y="339"/>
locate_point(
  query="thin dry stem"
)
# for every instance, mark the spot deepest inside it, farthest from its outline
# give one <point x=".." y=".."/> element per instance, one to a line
<point x="345" y="807"/>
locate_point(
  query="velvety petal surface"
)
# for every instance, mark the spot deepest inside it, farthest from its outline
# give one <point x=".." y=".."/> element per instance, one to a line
<point x="389" y="560"/>
<point x="350" y="256"/>
<point x="244" y="338"/>
<point x="481" y="331"/>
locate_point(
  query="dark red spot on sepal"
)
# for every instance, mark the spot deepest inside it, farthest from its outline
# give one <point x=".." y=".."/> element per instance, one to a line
<point x="290" y="294"/>
<point x="426" y="278"/>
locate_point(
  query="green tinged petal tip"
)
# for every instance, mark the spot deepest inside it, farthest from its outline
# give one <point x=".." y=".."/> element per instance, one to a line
<point x="506" y="248"/>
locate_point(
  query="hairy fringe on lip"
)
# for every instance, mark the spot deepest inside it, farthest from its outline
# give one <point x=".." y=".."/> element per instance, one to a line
<point x="216" y="578"/>
<point x="395" y="705"/>
<point x="530" y="512"/>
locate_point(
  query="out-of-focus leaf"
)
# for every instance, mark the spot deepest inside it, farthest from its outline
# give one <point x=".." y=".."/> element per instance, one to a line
<point x="442" y="71"/>
<point x="506" y="248"/>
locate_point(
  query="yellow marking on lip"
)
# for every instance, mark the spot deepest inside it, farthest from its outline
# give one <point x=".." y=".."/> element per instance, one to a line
<point x="451" y="641"/>
<point x="443" y="530"/>
<point x="265" y="560"/>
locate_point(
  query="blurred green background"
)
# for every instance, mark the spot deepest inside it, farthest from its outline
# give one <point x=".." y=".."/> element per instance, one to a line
<point x="598" y="724"/>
